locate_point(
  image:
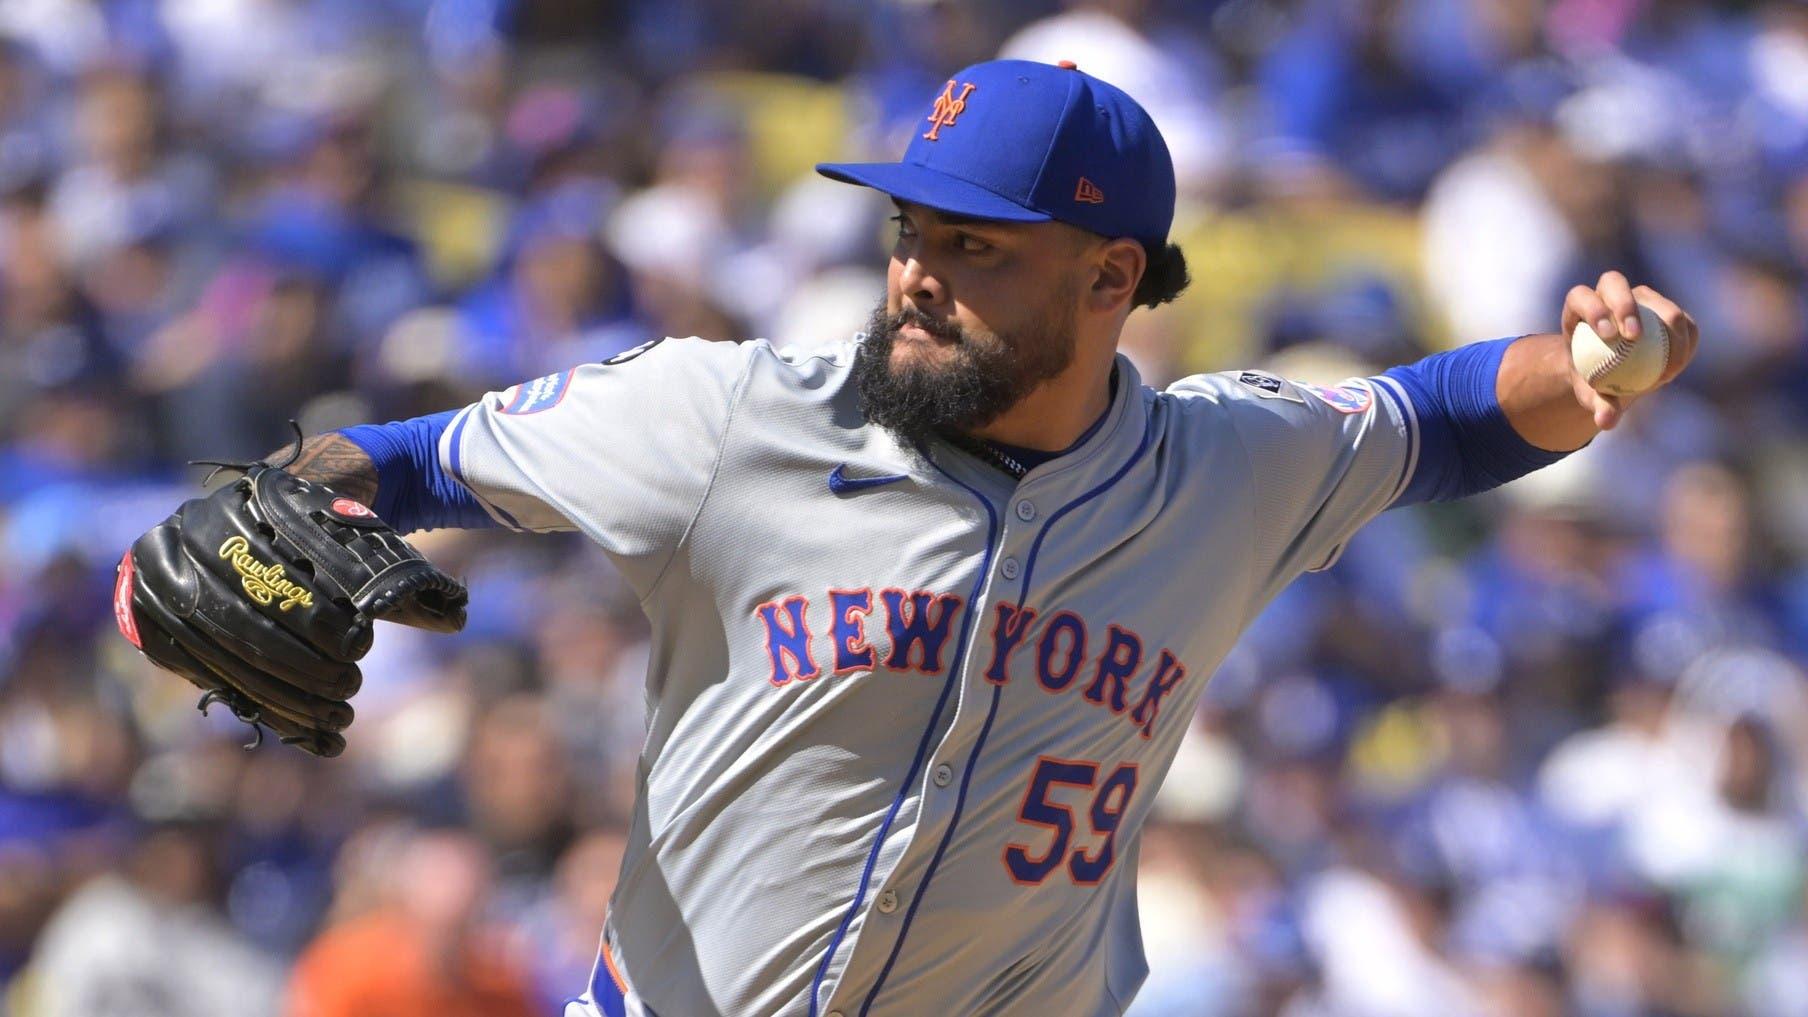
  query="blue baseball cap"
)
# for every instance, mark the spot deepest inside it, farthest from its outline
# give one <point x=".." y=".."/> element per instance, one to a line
<point x="1027" y="142"/>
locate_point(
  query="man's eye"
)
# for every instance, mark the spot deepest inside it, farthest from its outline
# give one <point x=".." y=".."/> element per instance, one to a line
<point x="904" y="229"/>
<point x="972" y="244"/>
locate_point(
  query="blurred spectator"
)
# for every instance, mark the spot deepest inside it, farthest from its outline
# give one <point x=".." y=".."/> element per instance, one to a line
<point x="423" y="949"/>
<point x="124" y="180"/>
<point x="517" y="792"/>
<point x="687" y="237"/>
<point x="1354" y="106"/>
<point x="557" y="298"/>
<point x="1377" y="944"/>
<point x="562" y="933"/>
<point x="1525" y="189"/>
<point x="1123" y="42"/>
<point x="1191" y="925"/>
<point x="27" y="139"/>
<point x="150" y="941"/>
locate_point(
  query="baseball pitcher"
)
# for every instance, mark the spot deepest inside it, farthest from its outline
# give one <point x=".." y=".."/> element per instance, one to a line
<point x="930" y="608"/>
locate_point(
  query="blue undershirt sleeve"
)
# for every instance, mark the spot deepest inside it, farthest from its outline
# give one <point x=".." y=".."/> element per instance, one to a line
<point x="413" y="493"/>
<point x="1466" y="443"/>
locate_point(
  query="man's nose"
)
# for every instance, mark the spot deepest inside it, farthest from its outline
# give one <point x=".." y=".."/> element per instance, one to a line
<point x="921" y="286"/>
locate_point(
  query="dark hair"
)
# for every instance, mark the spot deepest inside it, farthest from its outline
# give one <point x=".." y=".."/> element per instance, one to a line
<point x="1164" y="279"/>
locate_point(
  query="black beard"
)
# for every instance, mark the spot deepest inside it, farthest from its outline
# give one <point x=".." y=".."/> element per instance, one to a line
<point x="986" y="377"/>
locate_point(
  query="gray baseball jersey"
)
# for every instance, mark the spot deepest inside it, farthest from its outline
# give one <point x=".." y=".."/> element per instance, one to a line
<point x="906" y="715"/>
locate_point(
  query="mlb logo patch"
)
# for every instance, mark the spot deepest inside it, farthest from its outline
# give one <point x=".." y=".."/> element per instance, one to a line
<point x="1269" y="386"/>
<point x="1349" y="397"/>
<point x="627" y="355"/>
<point x="539" y="394"/>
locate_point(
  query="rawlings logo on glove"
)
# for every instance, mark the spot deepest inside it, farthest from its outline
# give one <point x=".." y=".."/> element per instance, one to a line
<point x="263" y="583"/>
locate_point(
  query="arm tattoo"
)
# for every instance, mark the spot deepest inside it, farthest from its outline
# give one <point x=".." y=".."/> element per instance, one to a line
<point x="333" y="460"/>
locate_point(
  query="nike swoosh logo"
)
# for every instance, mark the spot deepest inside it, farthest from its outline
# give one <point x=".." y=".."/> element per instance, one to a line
<point x="841" y="483"/>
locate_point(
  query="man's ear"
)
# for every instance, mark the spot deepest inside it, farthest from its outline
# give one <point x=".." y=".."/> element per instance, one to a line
<point x="1117" y="267"/>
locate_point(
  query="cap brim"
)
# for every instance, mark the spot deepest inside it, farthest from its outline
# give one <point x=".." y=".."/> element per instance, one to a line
<point x="924" y="186"/>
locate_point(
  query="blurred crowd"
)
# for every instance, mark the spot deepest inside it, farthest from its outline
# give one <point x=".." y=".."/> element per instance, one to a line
<point x="1532" y="754"/>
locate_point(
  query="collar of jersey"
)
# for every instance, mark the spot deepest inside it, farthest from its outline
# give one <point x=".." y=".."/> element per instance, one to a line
<point x="1109" y="433"/>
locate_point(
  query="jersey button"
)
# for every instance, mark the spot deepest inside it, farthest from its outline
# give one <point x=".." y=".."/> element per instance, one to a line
<point x="943" y="775"/>
<point x="1008" y="568"/>
<point x="888" y="902"/>
<point x="1026" y="510"/>
<point x="836" y="1013"/>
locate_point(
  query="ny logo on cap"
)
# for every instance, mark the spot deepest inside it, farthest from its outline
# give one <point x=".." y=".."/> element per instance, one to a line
<point x="947" y="107"/>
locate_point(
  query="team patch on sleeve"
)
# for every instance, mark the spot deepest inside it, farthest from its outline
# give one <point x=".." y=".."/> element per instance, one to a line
<point x="1350" y="397"/>
<point x="538" y="395"/>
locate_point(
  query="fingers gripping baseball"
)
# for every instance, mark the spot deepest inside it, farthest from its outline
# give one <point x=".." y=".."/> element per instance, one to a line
<point x="1617" y="357"/>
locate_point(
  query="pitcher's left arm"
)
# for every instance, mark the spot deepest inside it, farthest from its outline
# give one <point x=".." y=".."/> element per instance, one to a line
<point x="1548" y="402"/>
<point x="1491" y="412"/>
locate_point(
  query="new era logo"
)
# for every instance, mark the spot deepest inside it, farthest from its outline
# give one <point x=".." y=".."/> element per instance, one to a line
<point x="1089" y="193"/>
<point x="948" y="106"/>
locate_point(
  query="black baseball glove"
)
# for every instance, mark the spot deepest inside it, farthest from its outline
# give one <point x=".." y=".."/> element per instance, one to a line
<point x="264" y="594"/>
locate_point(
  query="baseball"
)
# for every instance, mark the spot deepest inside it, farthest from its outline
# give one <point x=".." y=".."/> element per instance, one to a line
<point x="1622" y="367"/>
